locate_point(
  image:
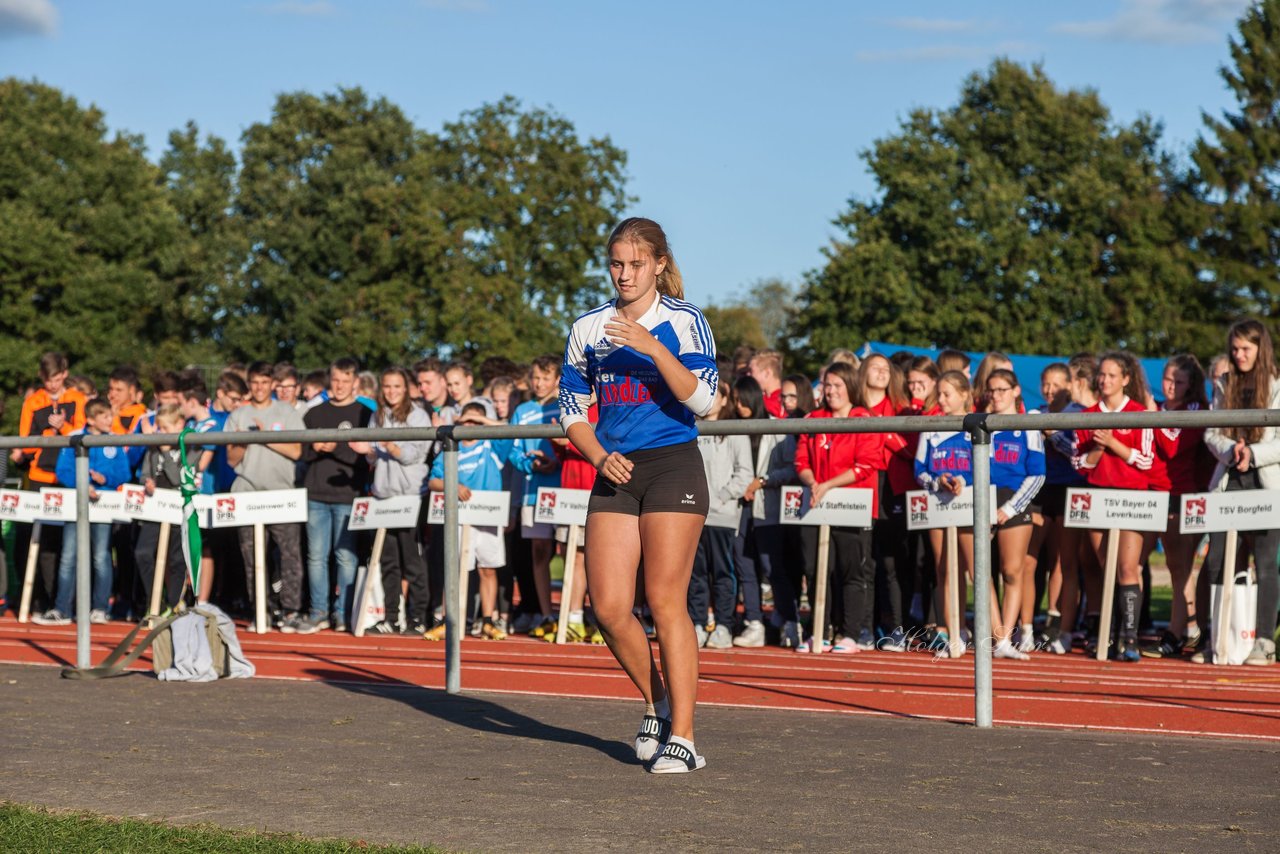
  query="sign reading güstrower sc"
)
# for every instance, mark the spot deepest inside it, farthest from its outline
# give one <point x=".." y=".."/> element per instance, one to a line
<point x="1246" y="510"/>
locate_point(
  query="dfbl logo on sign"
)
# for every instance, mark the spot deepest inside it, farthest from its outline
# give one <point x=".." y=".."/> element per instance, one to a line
<point x="9" y="505"/>
<point x="437" y="501"/>
<point x="919" y="508"/>
<point x="1080" y="506"/>
<point x="53" y="504"/>
<point x="362" y="510"/>
<point x="546" y="506"/>
<point x="792" y="506"/>
<point x="226" y="509"/>
<point x="134" y="499"/>
<point x="1197" y="509"/>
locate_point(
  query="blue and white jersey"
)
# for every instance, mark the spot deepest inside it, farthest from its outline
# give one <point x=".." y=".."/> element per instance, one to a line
<point x="480" y="464"/>
<point x="637" y="409"/>
<point x="1017" y="463"/>
<point x="942" y="452"/>
<point x="532" y="412"/>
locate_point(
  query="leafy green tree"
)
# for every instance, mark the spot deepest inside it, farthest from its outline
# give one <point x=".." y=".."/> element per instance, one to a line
<point x="735" y="325"/>
<point x="88" y="241"/>
<point x="344" y="240"/>
<point x="1020" y="219"/>
<point x="1239" y="169"/>
<point x="529" y="208"/>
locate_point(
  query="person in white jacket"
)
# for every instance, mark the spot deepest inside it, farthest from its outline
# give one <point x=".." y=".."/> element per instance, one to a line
<point x="1249" y="458"/>
<point x="727" y="461"/>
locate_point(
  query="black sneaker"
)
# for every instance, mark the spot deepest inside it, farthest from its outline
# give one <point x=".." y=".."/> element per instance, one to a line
<point x="1193" y="644"/>
<point x="416" y="629"/>
<point x="382" y="627"/>
<point x="52" y="617"/>
<point x="1169" y="646"/>
<point x="289" y="623"/>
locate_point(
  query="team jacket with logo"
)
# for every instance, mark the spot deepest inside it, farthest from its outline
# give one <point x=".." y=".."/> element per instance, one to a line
<point x="1017" y="463"/>
<point x="830" y="454"/>
<point x="479" y="464"/>
<point x="1182" y="462"/>
<point x="1112" y="471"/>
<point x="533" y="412"/>
<point x="941" y="452"/>
<point x="637" y="409"/>
<point x="34" y="421"/>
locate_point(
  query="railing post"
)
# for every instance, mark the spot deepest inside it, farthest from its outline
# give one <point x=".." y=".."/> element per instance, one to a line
<point x="453" y="621"/>
<point x="84" y="581"/>
<point x="976" y="427"/>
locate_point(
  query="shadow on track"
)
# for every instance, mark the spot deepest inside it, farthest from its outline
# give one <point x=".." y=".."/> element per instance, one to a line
<point x="475" y="713"/>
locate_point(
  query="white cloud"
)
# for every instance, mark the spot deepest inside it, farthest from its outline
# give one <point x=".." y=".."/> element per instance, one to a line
<point x="944" y="53"/>
<point x="1170" y="22"/>
<point x="302" y="8"/>
<point x="932" y="25"/>
<point x="27" y="17"/>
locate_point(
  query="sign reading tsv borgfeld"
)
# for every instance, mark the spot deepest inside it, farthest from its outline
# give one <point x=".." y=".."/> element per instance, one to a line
<point x="845" y="508"/>
<point x="269" y="507"/>
<point x="561" y="506"/>
<point x="400" y="511"/>
<point x="164" y="505"/>
<point x="17" y="505"/>
<point x="927" y="509"/>
<point x="1117" y="509"/>
<point x="486" y="508"/>
<point x="1246" y="510"/>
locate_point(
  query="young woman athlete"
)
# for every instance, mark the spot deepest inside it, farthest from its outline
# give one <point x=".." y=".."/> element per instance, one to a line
<point x="649" y="358"/>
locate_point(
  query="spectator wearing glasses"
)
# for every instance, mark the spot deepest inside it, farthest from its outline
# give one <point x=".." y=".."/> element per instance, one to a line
<point x="288" y="386"/>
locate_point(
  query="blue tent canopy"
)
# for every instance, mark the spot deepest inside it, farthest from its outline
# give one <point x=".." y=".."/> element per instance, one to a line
<point x="1028" y="368"/>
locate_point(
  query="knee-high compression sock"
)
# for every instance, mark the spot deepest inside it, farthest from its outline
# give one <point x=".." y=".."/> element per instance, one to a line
<point x="1130" y="600"/>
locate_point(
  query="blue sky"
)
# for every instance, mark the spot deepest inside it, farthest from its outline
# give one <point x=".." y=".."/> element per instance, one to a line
<point x="743" y="121"/>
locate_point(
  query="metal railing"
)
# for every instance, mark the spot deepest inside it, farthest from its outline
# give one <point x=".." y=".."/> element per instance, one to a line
<point x="979" y="427"/>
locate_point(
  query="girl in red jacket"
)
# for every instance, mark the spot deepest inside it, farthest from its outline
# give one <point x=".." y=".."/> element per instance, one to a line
<point x="1120" y="459"/>
<point x="826" y="461"/>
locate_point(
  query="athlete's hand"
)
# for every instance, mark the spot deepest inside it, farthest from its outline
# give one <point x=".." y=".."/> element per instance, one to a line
<point x="628" y="333"/>
<point x="1001" y="517"/>
<point x="616" y="468"/>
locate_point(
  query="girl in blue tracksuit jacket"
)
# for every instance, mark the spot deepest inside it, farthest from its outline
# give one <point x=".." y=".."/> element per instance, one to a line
<point x="109" y="469"/>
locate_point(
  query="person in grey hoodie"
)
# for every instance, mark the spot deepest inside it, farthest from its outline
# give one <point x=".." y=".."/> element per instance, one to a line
<point x="727" y="461"/>
<point x="400" y="468"/>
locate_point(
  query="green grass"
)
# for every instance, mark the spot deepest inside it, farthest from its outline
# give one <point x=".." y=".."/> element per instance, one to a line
<point x="33" y="829"/>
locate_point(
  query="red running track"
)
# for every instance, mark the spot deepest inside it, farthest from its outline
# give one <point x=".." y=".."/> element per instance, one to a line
<point x="1073" y="692"/>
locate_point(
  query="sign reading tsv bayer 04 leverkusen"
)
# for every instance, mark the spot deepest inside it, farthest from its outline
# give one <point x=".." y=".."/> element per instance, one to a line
<point x="844" y="508"/>
<point x="1246" y="510"/>
<point x="487" y="508"/>
<point x="927" y="510"/>
<point x="269" y="507"/>
<point x="1117" y="509"/>
<point x="369" y="514"/>
<point x="556" y="506"/>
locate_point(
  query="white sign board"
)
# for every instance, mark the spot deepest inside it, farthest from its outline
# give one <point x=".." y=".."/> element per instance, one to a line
<point x="163" y="506"/>
<point x="1246" y="510"/>
<point x="368" y="514"/>
<point x="57" y="505"/>
<point x="486" y="508"/>
<point x="19" y="506"/>
<point x="1117" y="509"/>
<point x="561" y="506"/>
<point x="269" y="507"/>
<point x="845" y="508"/>
<point x="927" y="509"/>
<point x="108" y="507"/>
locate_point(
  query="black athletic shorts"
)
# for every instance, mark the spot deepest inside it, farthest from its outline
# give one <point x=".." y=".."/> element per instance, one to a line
<point x="1003" y="494"/>
<point x="1053" y="500"/>
<point x="663" y="480"/>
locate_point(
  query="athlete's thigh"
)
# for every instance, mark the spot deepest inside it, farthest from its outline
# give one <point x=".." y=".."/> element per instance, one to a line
<point x="1014" y="543"/>
<point x="612" y="557"/>
<point x="669" y="542"/>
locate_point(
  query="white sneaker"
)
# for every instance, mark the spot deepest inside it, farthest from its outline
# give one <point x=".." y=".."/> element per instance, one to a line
<point x="700" y="631"/>
<point x="99" y="617"/>
<point x="720" y="638"/>
<point x="52" y="617"/>
<point x="1026" y="638"/>
<point x="1005" y="649"/>
<point x="752" y="635"/>
<point x="1062" y="645"/>
<point x="678" y="756"/>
